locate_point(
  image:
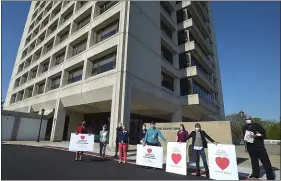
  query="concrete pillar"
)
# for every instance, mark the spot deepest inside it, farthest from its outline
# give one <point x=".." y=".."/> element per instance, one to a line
<point x="121" y="96"/>
<point x="75" y="119"/>
<point x="58" y="122"/>
<point x="177" y="115"/>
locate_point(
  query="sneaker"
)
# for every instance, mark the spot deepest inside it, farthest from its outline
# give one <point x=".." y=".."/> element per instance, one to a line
<point x="120" y="161"/>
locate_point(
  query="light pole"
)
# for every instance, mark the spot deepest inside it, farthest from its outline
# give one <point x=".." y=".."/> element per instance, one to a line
<point x="42" y="113"/>
<point x="242" y="115"/>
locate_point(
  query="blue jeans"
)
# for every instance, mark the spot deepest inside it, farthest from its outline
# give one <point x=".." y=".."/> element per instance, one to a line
<point x="203" y="155"/>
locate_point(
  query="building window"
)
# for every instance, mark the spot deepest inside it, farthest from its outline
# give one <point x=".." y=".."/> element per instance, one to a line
<point x="183" y="15"/>
<point x="29" y="92"/>
<point x="107" y="5"/>
<point x="20" y="96"/>
<point x="17" y="83"/>
<point x="27" y="63"/>
<point x="49" y="47"/>
<point x="167" y="30"/>
<point x="167" y="81"/>
<point x="107" y="31"/>
<point x="104" y="64"/>
<point x="164" y="6"/>
<point x="33" y="73"/>
<point x="166" y="54"/>
<point x="41" y="88"/>
<point x="20" y="68"/>
<point x="24" y="78"/>
<point x="59" y="58"/>
<point x="67" y="16"/>
<point x="199" y="67"/>
<point x="183" y="60"/>
<point x="204" y="94"/>
<point x="45" y="67"/>
<point x="83" y="22"/>
<point x="75" y="75"/>
<point x="13" y="99"/>
<point x="55" y="83"/>
<point x="64" y="36"/>
<point x="80" y="47"/>
<point x="185" y="87"/>
<point x="182" y="37"/>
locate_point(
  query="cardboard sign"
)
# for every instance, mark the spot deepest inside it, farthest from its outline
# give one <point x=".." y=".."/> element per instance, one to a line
<point x="151" y="156"/>
<point x="81" y="142"/>
<point x="222" y="162"/>
<point x="176" y="158"/>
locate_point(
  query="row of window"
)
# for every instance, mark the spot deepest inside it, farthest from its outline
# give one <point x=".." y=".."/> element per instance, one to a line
<point x="74" y="49"/>
<point x="101" y="65"/>
<point x="79" y="23"/>
<point x="97" y="36"/>
<point x="188" y="87"/>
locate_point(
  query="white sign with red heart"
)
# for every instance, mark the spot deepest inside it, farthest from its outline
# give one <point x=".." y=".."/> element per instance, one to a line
<point x="151" y="156"/>
<point x="81" y="142"/>
<point x="222" y="162"/>
<point x="176" y="158"/>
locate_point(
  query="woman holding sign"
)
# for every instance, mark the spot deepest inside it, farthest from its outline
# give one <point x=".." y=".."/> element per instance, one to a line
<point x="123" y="144"/>
<point x="199" y="142"/>
<point x="81" y="130"/>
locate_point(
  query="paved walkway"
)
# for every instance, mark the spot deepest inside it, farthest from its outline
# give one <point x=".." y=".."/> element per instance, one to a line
<point x="244" y="169"/>
<point x="37" y="163"/>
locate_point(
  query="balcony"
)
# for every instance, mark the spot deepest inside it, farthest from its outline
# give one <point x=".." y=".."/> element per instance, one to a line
<point x="199" y="76"/>
<point x="201" y="10"/>
<point x="202" y="104"/>
<point x="197" y="52"/>
<point x="196" y="16"/>
<point x="198" y="36"/>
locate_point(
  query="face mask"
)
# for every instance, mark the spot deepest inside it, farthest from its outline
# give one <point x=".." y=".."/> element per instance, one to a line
<point x="248" y="121"/>
<point x="196" y="129"/>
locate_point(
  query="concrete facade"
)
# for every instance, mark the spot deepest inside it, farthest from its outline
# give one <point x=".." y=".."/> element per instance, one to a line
<point x="155" y="59"/>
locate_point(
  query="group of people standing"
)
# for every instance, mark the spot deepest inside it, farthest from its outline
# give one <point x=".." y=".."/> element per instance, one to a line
<point x="150" y="136"/>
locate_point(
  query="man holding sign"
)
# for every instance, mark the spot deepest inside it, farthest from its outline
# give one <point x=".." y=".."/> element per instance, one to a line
<point x="151" y="136"/>
<point x="254" y="134"/>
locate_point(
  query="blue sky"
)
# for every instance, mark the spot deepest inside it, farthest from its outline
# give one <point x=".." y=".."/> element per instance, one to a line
<point x="248" y="39"/>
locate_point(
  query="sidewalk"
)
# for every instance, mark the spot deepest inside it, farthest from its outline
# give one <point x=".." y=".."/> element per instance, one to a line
<point x="244" y="171"/>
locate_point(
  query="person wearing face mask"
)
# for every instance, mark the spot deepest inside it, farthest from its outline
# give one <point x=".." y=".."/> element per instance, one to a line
<point x="182" y="134"/>
<point x="123" y="144"/>
<point x="118" y="130"/>
<point x="103" y="136"/>
<point x="256" y="149"/>
<point x="151" y="136"/>
<point x="81" y="130"/>
<point x="199" y="142"/>
<point x="142" y="133"/>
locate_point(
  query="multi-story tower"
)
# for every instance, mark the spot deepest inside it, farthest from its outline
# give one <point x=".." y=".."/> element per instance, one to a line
<point x="107" y="62"/>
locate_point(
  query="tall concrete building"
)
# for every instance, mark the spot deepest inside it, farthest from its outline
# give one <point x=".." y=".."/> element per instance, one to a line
<point x="107" y="62"/>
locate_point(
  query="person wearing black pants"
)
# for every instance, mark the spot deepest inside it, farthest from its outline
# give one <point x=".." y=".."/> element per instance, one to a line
<point x="257" y="150"/>
<point x="118" y="131"/>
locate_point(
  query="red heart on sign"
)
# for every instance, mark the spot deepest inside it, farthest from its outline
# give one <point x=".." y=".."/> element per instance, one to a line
<point x="176" y="158"/>
<point x="149" y="150"/>
<point x="82" y="137"/>
<point x="223" y="163"/>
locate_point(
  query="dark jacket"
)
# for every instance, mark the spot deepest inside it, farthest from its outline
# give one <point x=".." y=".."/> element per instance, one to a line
<point x="118" y="130"/>
<point x="204" y="135"/>
<point x="255" y="128"/>
<point x="142" y="134"/>
<point x="123" y="137"/>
